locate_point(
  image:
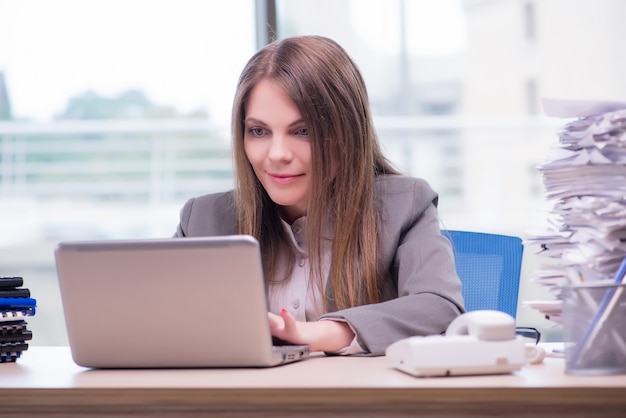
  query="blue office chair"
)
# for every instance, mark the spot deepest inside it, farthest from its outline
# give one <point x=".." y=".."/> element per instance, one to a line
<point x="489" y="267"/>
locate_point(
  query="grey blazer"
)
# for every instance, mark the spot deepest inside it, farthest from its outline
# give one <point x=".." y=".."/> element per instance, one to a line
<point x="422" y="294"/>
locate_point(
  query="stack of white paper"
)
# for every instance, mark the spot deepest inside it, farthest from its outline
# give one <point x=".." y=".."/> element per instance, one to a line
<point x="585" y="176"/>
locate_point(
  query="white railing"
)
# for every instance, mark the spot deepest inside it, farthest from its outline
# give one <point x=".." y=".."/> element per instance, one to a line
<point x="162" y="160"/>
<point x="136" y="160"/>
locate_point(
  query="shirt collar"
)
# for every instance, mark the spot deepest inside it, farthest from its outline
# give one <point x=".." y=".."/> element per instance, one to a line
<point x="297" y="233"/>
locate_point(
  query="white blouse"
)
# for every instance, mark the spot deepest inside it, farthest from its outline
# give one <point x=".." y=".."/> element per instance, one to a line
<point x="299" y="294"/>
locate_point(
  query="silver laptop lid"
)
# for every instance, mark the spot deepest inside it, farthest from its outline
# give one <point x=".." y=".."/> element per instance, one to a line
<point x="175" y="302"/>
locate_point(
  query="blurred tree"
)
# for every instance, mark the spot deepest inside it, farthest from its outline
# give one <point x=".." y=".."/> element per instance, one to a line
<point x="130" y="104"/>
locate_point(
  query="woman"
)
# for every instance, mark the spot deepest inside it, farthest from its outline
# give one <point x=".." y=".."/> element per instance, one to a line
<point x="352" y="251"/>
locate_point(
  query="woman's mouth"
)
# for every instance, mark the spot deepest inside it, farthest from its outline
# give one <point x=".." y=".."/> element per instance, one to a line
<point x="284" y="178"/>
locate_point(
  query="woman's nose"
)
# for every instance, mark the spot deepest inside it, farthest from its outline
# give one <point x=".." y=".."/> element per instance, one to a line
<point x="279" y="148"/>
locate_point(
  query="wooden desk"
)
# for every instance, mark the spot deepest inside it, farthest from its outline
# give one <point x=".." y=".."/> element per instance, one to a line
<point x="45" y="382"/>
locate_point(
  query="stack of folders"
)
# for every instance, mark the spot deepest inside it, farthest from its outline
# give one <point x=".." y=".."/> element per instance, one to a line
<point x="16" y="304"/>
<point x="585" y="178"/>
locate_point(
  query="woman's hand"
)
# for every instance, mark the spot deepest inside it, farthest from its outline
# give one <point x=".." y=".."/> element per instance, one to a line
<point x="325" y="335"/>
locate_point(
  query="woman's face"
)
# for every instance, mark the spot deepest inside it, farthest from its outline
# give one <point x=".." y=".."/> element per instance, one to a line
<point x="277" y="145"/>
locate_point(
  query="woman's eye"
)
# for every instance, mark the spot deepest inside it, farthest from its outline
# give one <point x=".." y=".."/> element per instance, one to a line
<point x="256" y="131"/>
<point x="303" y="132"/>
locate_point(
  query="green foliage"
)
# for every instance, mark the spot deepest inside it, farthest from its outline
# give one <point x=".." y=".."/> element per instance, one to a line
<point x="130" y="104"/>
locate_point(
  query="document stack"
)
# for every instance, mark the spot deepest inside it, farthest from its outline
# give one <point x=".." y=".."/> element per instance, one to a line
<point x="585" y="177"/>
<point x="15" y="306"/>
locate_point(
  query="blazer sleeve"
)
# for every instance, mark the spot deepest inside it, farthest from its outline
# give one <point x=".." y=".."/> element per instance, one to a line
<point x="422" y="292"/>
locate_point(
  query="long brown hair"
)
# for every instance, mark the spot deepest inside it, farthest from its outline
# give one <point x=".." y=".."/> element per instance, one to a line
<point x="328" y="89"/>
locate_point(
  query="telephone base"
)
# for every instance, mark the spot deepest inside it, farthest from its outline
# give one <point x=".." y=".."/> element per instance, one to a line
<point x="456" y="355"/>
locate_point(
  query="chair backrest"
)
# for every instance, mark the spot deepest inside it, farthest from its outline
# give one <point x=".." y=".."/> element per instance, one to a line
<point x="489" y="266"/>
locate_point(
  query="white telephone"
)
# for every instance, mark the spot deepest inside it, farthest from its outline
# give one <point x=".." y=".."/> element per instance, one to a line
<point x="477" y="342"/>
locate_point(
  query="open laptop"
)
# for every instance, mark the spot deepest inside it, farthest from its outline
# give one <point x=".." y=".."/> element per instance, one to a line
<point x="165" y="303"/>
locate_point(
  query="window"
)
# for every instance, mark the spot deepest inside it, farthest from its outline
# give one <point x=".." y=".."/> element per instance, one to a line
<point x="112" y="114"/>
<point x="456" y="87"/>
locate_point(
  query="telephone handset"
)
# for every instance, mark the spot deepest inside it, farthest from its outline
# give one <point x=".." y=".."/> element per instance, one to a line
<point x="477" y="342"/>
<point x="484" y="325"/>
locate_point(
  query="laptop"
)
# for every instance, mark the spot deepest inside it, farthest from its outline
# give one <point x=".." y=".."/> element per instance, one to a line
<point x="168" y="303"/>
